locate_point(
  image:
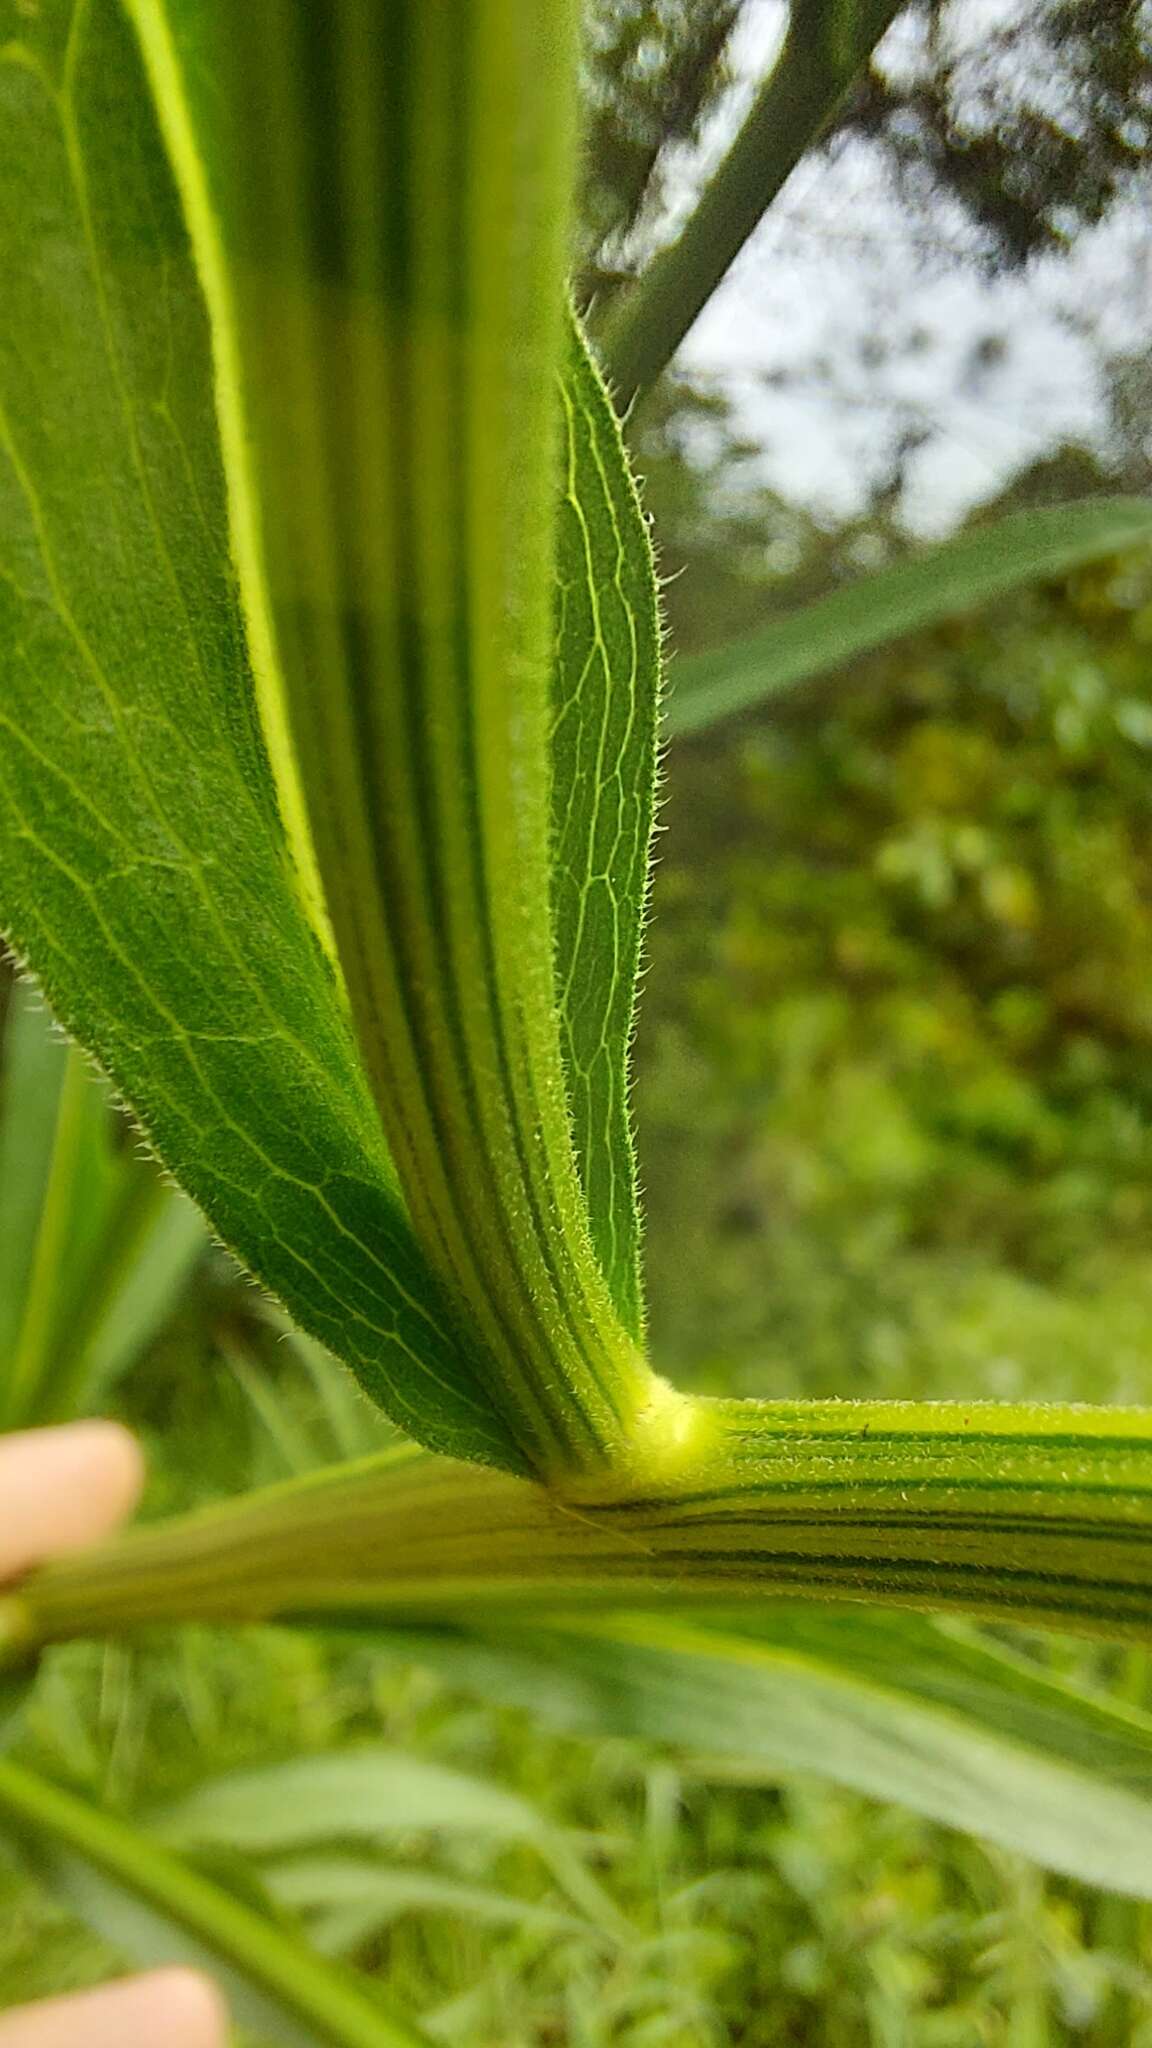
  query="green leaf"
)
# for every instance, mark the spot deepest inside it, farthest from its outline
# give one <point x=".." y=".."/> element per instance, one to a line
<point x="154" y="1909"/>
<point x="145" y="1262"/>
<point x="30" y="1079"/>
<point x="379" y="205"/>
<point x="355" y="1795"/>
<point x="93" y="1247"/>
<point x="345" y="1421"/>
<point x="367" y="1795"/>
<point x="893" y="1706"/>
<point x="144" y="869"/>
<point x="603" y="787"/>
<point x="74" y="1178"/>
<point x="956" y="577"/>
<point x="350" y="1900"/>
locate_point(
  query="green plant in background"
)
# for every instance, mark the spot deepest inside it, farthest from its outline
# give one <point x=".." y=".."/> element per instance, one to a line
<point x="330" y="701"/>
<point x="901" y="983"/>
<point x="92" y="1243"/>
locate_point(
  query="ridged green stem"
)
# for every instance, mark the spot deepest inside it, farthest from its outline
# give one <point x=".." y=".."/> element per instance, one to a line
<point x="1033" y="1514"/>
<point x="827" y="43"/>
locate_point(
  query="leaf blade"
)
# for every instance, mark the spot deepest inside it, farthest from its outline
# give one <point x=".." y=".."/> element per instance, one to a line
<point x="144" y="870"/>
<point x="954" y="577"/>
<point x="606" y="687"/>
<point x="895" y="1707"/>
<point x="388" y="372"/>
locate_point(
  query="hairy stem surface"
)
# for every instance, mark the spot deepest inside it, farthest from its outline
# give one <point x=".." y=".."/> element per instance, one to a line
<point x="1031" y="1514"/>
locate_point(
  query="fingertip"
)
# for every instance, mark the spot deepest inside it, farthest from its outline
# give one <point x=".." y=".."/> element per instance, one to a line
<point x="175" y="2007"/>
<point x="105" y="1459"/>
<point x="189" y="2009"/>
<point x="117" y="1452"/>
<point x="62" y="1488"/>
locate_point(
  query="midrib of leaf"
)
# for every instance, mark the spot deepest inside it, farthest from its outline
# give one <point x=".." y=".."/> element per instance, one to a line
<point x="244" y="527"/>
<point x="386" y="224"/>
<point x="144" y="873"/>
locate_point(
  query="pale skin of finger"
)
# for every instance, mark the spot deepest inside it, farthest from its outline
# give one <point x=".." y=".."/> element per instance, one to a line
<point x="169" y="2009"/>
<point x="60" y="1489"/>
<point x="63" y="1488"/>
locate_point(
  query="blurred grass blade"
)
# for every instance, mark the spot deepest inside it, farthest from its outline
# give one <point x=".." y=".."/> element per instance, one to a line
<point x="148" y="1256"/>
<point x="351" y="1426"/>
<point x="605" y="710"/>
<point x="361" y="1795"/>
<point x="367" y="1795"/>
<point x="894" y="1706"/>
<point x="145" y="873"/>
<point x="1022" y="547"/>
<point x="156" y="1909"/>
<point x="1037" y="1514"/>
<point x="75" y="1195"/>
<point x="379" y="200"/>
<point x="93" y="1246"/>
<point x="350" y="1900"/>
<point x="827" y="43"/>
<point x="31" y="1074"/>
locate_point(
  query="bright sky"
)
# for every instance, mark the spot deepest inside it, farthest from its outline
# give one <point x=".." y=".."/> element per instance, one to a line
<point x="837" y="264"/>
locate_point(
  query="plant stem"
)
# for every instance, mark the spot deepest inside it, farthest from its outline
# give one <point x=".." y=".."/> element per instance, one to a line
<point x="312" y="1990"/>
<point x="1035" y="1514"/>
<point x="827" y="43"/>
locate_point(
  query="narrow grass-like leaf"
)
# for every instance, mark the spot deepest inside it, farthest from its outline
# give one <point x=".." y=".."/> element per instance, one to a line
<point x="145" y="872"/>
<point x="76" y="1192"/>
<point x="367" y="1796"/>
<point x="153" y="1246"/>
<point x="956" y="577"/>
<point x="894" y="1706"/>
<point x="363" y="1795"/>
<point x="349" y="1900"/>
<point x="606" y="699"/>
<point x="155" y="1908"/>
<point x="31" y="1073"/>
<point x="379" y="203"/>
<point x="92" y="1244"/>
<point x="347" y="1424"/>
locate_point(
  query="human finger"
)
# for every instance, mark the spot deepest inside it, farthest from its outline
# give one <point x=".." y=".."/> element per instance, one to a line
<point x="177" y="2008"/>
<point x="62" y="1488"/>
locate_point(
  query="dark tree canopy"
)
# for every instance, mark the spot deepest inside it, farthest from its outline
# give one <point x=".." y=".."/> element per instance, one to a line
<point x="1033" y="131"/>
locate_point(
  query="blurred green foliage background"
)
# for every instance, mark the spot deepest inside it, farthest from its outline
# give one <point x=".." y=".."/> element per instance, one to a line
<point x="895" y="1079"/>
